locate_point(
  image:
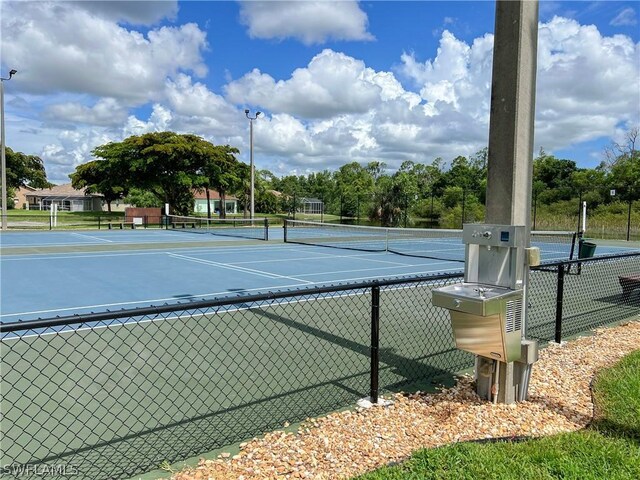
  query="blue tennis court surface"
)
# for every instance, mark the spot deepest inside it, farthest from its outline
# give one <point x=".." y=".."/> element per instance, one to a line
<point x="59" y="274"/>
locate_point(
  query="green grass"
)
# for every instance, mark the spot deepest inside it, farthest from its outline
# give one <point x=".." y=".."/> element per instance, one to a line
<point x="609" y="449"/>
<point x="89" y="215"/>
<point x="617" y="398"/>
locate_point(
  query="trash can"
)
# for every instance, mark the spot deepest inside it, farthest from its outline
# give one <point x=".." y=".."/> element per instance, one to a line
<point x="586" y="249"/>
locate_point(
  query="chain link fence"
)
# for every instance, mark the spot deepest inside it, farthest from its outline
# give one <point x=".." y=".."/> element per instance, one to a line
<point x="568" y="298"/>
<point x="113" y="394"/>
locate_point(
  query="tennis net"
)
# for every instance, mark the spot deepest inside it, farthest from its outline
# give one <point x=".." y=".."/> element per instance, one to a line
<point x="257" y="228"/>
<point x="438" y="244"/>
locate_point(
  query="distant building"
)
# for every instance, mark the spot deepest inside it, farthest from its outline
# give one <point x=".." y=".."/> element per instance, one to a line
<point x="231" y="202"/>
<point x="312" y="206"/>
<point x="20" y="196"/>
<point x="65" y="197"/>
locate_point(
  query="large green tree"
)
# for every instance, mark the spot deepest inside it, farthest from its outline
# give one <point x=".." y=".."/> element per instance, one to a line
<point x="556" y="174"/>
<point x="167" y="164"/>
<point x="103" y="177"/>
<point x="223" y="172"/>
<point x="23" y="170"/>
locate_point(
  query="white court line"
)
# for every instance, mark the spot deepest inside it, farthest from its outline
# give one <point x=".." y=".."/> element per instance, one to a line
<point x="237" y="269"/>
<point x="91" y="236"/>
<point x="146" y="251"/>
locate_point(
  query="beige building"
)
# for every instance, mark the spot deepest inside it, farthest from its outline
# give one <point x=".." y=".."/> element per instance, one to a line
<point x="65" y="197"/>
<point x="20" y="196"/>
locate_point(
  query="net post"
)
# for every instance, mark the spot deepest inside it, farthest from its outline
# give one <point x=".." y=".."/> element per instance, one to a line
<point x="284" y="226"/>
<point x="375" y="342"/>
<point x="266" y="229"/>
<point x="98" y="222"/>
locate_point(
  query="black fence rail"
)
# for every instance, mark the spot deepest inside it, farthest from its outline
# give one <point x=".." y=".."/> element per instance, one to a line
<point x="112" y="394"/>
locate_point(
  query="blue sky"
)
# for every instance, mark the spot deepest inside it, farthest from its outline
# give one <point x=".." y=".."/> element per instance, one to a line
<point x="337" y="81"/>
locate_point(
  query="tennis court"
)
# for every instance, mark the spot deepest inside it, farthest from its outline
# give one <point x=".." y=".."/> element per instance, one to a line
<point x="59" y="273"/>
<point x="118" y="396"/>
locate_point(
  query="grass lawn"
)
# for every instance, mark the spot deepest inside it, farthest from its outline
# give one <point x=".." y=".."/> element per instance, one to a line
<point x="608" y="449"/>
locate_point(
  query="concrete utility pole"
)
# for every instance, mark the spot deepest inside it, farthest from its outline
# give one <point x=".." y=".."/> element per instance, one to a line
<point x="251" y="119"/>
<point x="3" y="160"/>
<point x="511" y="127"/>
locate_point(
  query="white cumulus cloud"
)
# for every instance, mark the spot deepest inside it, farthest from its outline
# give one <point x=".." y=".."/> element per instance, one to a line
<point x="92" y="54"/>
<point x="105" y="112"/>
<point x="79" y="86"/>
<point x="310" y="22"/>
<point x="332" y="84"/>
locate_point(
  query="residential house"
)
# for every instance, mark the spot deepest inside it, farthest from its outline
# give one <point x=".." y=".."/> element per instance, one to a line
<point x="65" y="197"/>
<point x="231" y="202"/>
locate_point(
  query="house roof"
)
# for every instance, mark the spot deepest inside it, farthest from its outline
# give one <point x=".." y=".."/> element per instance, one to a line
<point x="64" y="191"/>
<point x="213" y="195"/>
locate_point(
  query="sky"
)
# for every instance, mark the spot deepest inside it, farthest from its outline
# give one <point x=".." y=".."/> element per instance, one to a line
<point x="337" y="82"/>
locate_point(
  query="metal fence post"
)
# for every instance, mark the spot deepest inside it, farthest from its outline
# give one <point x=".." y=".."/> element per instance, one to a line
<point x="559" y="298"/>
<point x="629" y="218"/>
<point x="375" y="341"/>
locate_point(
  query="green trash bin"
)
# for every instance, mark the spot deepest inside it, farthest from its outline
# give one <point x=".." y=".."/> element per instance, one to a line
<point x="586" y="250"/>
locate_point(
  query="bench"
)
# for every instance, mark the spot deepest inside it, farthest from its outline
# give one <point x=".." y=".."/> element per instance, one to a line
<point x="629" y="283"/>
<point x="121" y="225"/>
<point x="183" y="224"/>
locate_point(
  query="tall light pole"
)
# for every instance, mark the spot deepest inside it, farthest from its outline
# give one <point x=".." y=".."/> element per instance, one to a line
<point x="251" y="119"/>
<point x="4" y="161"/>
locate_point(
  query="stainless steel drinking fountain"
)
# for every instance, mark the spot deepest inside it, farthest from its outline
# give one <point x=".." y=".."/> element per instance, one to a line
<point x="487" y="308"/>
<point x="486" y="320"/>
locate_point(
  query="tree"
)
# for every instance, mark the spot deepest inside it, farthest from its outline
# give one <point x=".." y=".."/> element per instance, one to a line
<point x="142" y="199"/>
<point x="556" y="174"/>
<point x="354" y="183"/>
<point x="167" y="164"/>
<point x="623" y="166"/>
<point x="101" y="176"/>
<point x="626" y="150"/>
<point x="223" y="172"/>
<point x="23" y="170"/>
